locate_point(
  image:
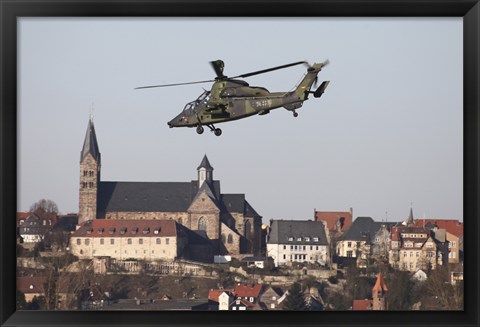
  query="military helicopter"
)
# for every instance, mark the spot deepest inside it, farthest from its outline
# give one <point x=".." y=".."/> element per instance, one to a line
<point x="231" y="98"/>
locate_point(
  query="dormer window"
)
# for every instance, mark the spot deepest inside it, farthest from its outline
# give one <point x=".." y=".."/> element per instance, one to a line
<point x="89" y="231"/>
<point x="290" y="239"/>
<point x="123" y="230"/>
<point x="307" y="239"/>
<point x="156" y="230"/>
<point x="100" y="231"/>
<point x="315" y="239"/>
<point x="299" y="239"/>
<point x="111" y="230"/>
<point x="134" y="230"/>
<point x="146" y="230"/>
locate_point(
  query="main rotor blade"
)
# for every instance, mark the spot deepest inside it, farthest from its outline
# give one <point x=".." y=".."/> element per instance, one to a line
<point x="270" y="69"/>
<point x="164" y="85"/>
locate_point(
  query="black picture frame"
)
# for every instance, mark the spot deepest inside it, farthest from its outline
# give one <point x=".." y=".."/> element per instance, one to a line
<point x="11" y="10"/>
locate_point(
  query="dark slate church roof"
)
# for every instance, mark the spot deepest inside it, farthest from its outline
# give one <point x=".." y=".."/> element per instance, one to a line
<point x="282" y="230"/>
<point x="161" y="197"/>
<point x="364" y="229"/>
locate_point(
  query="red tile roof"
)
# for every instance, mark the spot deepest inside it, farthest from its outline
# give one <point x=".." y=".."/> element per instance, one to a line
<point x="453" y="226"/>
<point x="31" y="284"/>
<point x="380" y="284"/>
<point x="361" y="305"/>
<point x="248" y="290"/>
<point x="126" y="228"/>
<point x="242" y="302"/>
<point x="215" y="293"/>
<point x="331" y="218"/>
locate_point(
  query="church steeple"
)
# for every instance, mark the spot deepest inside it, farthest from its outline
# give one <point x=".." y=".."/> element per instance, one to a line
<point x="90" y="145"/>
<point x="379" y="293"/>
<point x="89" y="175"/>
<point x="409" y="221"/>
<point x="205" y="171"/>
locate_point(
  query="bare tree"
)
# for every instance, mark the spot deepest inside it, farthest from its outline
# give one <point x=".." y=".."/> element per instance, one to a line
<point x="46" y="205"/>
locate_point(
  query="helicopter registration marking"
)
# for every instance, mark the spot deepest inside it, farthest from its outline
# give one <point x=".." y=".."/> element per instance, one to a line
<point x="262" y="103"/>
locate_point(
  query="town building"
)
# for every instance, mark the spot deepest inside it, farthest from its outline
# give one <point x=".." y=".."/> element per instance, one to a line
<point x="298" y="241"/>
<point x="31" y="286"/>
<point x="337" y="222"/>
<point x="413" y="248"/>
<point x="365" y="240"/>
<point x="454" y="235"/>
<point x="245" y="297"/>
<point x="129" y="239"/>
<point x="228" y="221"/>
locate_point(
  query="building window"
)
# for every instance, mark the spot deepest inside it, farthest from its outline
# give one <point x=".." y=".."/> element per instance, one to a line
<point x="284" y="256"/>
<point x="202" y="224"/>
<point x="349" y="254"/>
<point x="167" y="241"/>
<point x="159" y="241"/>
<point x="112" y="241"/>
<point x="79" y="241"/>
<point x="87" y="241"/>
<point x="129" y="241"/>
<point x="315" y="239"/>
<point x="101" y="241"/>
<point x="248" y="229"/>
<point x="229" y="239"/>
<point x="299" y="239"/>
<point x="307" y="239"/>
<point x="140" y="241"/>
<point x="290" y="239"/>
<point x="349" y="244"/>
<point x="284" y="247"/>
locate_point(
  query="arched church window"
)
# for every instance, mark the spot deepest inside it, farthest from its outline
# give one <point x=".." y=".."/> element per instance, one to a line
<point x="202" y="224"/>
<point x="248" y="229"/>
<point x="230" y="239"/>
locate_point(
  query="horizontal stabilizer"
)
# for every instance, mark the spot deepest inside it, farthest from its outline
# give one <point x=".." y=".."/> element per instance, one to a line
<point x="318" y="93"/>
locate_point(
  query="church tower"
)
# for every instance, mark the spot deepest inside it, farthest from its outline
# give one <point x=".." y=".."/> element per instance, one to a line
<point x="205" y="172"/>
<point x="89" y="175"/>
<point x="379" y="294"/>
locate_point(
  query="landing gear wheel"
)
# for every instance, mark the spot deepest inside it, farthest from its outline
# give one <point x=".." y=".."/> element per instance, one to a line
<point x="295" y="114"/>
<point x="199" y="129"/>
<point x="218" y="132"/>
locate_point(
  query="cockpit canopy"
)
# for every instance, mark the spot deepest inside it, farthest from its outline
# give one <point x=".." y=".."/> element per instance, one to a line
<point x="193" y="107"/>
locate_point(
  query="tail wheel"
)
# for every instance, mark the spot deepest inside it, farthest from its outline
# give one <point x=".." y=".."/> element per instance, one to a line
<point x="218" y="132"/>
<point x="295" y="114"/>
<point x="199" y="129"/>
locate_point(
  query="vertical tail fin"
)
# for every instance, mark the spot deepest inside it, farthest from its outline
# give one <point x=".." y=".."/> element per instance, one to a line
<point x="306" y="84"/>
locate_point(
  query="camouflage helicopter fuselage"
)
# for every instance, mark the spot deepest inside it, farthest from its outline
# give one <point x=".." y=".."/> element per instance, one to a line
<point x="233" y="99"/>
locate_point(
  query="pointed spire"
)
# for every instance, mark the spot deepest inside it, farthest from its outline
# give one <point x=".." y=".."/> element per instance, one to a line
<point x="380" y="284"/>
<point x="90" y="144"/>
<point x="205" y="163"/>
<point x="409" y="221"/>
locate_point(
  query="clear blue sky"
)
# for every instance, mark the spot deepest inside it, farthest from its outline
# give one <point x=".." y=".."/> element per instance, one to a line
<point x="388" y="131"/>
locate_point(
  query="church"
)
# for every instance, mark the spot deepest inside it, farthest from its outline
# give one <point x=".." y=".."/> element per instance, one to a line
<point x="227" y="221"/>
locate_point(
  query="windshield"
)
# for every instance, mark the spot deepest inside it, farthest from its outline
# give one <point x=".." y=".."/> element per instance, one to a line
<point x="202" y="99"/>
